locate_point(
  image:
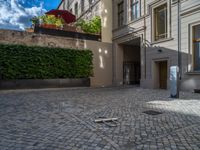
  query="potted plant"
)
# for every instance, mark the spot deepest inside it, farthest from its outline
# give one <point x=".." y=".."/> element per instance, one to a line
<point x="48" y="21"/>
<point x="59" y="23"/>
<point x="92" y="26"/>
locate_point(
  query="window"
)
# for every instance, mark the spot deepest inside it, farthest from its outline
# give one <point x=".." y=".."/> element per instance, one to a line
<point x="90" y="5"/>
<point x="82" y="5"/>
<point x="196" y="46"/>
<point x="76" y="9"/>
<point x="120" y="14"/>
<point x="160" y="22"/>
<point x="135" y="9"/>
<point x="97" y="8"/>
<point x="90" y="2"/>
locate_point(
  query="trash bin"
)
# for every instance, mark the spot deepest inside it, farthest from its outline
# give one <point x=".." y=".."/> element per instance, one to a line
<point x="174" y="71"/>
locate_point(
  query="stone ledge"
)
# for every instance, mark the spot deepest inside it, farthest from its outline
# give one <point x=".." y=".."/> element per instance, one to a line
<point x="193" y="73"/>
<point x="43" y="83"/>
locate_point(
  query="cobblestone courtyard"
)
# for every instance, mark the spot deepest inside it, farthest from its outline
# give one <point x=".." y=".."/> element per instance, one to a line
<point x="64" y="119"/>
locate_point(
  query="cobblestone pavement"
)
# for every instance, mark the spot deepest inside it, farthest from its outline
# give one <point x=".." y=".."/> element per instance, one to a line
<point x="64" y="119"/>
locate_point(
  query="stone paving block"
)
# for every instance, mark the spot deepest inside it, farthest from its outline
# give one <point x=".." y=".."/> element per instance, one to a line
<point x="64" y="119"/>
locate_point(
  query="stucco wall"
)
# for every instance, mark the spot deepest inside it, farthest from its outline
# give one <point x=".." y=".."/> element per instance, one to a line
<point x="106" y="19"/>
<point x="25" y="38"/>
<point x="103" y="71"/>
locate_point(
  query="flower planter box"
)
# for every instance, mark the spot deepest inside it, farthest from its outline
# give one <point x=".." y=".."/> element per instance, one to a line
<point x="49" y="26"/>
<point x="43" y="83"/>
<point x="64" y="33"/>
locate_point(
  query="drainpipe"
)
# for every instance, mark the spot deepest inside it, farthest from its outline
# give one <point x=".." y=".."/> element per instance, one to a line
<point x="64" y="5"/>
<point x="179" y="49"/>
<point x="145" y="53"/>
<point x="113" y="46"/>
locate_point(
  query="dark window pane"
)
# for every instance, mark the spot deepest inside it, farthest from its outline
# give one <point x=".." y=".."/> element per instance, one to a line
<point x="135" y="9"/>
<point x="197" y="32"/>
<point x="76" y="9"/>
<point x="82" y="5"/>
<point x="197" y="56"/>
<point x="120" y="13"/>
<point x="160" y="18"/>
<point x="196" y="39"/>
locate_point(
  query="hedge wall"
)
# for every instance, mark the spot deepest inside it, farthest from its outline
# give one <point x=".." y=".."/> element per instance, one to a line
<point x="26" y="62"/>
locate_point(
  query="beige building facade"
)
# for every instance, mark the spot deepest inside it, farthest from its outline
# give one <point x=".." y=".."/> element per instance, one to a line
<point x="87" y="9"/>
<point x="145" y="42"/>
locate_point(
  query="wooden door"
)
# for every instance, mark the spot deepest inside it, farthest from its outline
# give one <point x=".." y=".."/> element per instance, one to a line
<point x="163" y="75"/>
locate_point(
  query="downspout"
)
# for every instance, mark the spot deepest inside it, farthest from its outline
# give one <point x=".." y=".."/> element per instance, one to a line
<point x="113" y="47"/>
<point x="145" y="57"/>
<point x="67" y="4"/>
<point x="63" y="4"/>
<point x="179" y="50"/>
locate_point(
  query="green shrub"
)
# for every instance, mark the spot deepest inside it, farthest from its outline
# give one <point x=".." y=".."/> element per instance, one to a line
<point x="91" y="26"/>
<point x="26" y="62"/>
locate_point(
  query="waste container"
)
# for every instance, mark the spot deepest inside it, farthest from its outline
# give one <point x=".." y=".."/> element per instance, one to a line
<point x="174" y="71"/>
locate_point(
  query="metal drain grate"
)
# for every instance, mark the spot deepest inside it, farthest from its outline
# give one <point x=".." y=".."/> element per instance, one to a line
<point x="197" y="91"/>
<point x="152" y="112"/>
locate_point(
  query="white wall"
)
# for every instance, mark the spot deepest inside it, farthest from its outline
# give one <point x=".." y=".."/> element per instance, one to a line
<point x="102" y="61"/>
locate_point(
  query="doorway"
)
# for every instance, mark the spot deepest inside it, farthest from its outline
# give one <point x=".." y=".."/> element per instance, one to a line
<point x="160" y="74"/>
<point x="131" y="72"/>
<point x="162" y="66"/>
<point x="131" y="62"/>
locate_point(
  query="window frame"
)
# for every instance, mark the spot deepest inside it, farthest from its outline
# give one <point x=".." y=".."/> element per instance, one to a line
<point x="76" y="8"/>
<point x="193" y="47"/>
<point x="169" y="23"/>
<point x="155" y="26"/>
<point x="132" y="4"/>
<point x="82" y="6"/>
<point x="91" y="2"/>
<point x="120" y="12"/>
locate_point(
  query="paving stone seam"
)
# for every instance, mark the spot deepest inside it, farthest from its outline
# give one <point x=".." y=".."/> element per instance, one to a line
<point x="92" y="128"/>
<point x="165" y="135"/>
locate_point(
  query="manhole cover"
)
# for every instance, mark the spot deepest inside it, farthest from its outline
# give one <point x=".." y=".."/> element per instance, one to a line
<point x="152" y="112"/>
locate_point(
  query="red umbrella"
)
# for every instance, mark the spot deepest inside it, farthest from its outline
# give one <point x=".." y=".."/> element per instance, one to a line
<point x="66" y="15"/>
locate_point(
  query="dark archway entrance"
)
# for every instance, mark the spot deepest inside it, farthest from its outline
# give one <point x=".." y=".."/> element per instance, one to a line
<point x="131" y="62"/>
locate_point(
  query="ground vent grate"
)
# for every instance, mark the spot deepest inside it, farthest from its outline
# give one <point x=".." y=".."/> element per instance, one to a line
<point x="152" y="112"/>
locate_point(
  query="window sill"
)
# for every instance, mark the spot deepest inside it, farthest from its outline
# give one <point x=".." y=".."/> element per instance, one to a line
<point x="193" y="73"/>
<point x="135" y="20"/>
<point x="119" y="28"/>
<point x="162" y="40"/>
